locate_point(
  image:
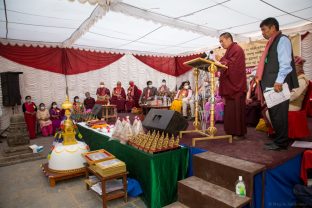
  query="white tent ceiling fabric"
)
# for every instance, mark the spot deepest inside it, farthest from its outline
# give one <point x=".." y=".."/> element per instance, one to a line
<point x="145" y="27"/>
<point x="173" y="27"/>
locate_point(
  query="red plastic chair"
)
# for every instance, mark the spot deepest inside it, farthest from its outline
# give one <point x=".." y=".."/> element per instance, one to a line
<point x="297" y="120"/>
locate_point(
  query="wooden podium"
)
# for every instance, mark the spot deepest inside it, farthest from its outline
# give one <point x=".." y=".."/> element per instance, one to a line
<point x="212" y="67"/>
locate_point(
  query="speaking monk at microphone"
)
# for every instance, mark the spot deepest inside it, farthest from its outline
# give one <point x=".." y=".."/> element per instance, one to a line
<point x="233" y="87"/>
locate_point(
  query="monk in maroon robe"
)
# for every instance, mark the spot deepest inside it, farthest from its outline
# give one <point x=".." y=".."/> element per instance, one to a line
<point x="103" y="94"/>
<point x="89" y="102"/>
<point x="119" y="97"/>
<point x="233" y="87"/>
<point x="133" y="96"/>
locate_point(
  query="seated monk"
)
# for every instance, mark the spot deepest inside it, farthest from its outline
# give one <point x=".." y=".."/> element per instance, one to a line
<point x="119" y="97"/>
<point x="133" y="96"/>
<point x="182" y="99"/>
<point x="89" y="102"/>
<point x="103" y="94"/>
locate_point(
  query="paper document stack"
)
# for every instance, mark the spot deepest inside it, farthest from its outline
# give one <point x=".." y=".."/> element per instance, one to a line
<point x="112" y="185"/>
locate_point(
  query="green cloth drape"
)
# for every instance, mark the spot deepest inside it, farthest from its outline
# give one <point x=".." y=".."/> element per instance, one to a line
<point x="158" y="174"/>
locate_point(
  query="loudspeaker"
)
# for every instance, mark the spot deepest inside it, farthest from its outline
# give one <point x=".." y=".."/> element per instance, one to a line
<point x="97" y="110"/>
<point x="11" y="95"/>
<point x="165" y="120"/>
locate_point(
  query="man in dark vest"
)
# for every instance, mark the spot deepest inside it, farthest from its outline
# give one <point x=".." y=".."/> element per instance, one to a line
<point x="276" y="67"/>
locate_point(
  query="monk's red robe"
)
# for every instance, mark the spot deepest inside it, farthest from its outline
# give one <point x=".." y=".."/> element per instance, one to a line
<point x="233" y="89"/>
<point x="119" y="98"/>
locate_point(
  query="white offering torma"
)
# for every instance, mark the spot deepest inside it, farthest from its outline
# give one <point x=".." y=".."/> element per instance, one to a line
<point x="67" y="157"/>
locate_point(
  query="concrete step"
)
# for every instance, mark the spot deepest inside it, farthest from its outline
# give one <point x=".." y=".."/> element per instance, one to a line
<point x="176" y="205"/>
<point x="224" y="170"/>
<point x="14" y="159"/>
<point x="198" y="193"/>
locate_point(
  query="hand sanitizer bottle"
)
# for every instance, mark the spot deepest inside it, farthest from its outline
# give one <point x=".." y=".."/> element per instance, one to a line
<point x="240" y="187"/>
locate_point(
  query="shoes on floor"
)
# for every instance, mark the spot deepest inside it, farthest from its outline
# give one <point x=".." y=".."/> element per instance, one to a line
<point x="239" y="137"/>
<point x="274" y="147"/>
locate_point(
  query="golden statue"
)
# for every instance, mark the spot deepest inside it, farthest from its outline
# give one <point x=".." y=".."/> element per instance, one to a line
<point x="160" y="142"/>
<point x="171" y="142"/>
<point x="154" y="145"/>
<point x="143" y="142"/>
<point x="166" y="142"/>
<point x="69" y="131"/>
<point x="148" y="144"/>
<point x="176" y="142"/>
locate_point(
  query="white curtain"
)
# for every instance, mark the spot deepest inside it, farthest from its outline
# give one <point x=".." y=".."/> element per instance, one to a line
<point x="47" y="87"/>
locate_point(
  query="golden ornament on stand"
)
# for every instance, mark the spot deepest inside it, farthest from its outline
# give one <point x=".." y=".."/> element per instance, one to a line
<point x="211" y="131"/>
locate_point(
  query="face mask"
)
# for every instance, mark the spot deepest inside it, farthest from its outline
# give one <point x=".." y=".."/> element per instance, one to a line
<point x="42" y="107"/>
<point x="164" y="83"/>
<point x="101" y="86"/>
<point x="150" y="86"/>
<point x="28" y="100"/>
<point x="54" y="106"/>
<point x="206" y="84"/>
<point x="119" y="85"/>
<point x="186" y="87"/>
<point x="76" y="100"/>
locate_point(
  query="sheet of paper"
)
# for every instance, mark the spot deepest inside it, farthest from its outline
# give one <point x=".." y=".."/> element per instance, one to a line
<point x="302" y="144"/>
<point x="273" y="98"/>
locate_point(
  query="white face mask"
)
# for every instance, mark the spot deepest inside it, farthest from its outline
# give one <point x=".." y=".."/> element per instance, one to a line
<point x="206" y="84"/>
<point x="186" y="87"/>
<point x="42" y="107"/>
<point x="54" y="106"/>
<point x="164" y="83"/>
<point x="76" y="100"/>
<point x="150" y="86"/>
<point x="101" y="86"/>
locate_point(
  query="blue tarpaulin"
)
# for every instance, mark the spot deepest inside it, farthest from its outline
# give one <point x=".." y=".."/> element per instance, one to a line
<point x="279" y="182"/>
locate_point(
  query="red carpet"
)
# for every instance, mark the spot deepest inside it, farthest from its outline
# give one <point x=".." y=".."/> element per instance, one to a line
<point x="250" y="149"/>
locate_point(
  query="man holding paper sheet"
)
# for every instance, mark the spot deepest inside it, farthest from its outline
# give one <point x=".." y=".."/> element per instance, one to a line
<point x="275" y="68"/>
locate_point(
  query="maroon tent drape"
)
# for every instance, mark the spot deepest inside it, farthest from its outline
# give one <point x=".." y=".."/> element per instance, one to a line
<point x="180" y="67"/>
<point x="58" y="60"/>
<point x="162" y="64"/>
<point x="49" y="59"/>
<point x="80" y="61"/>
<point x="170" y="65"/>
<point x="75" y="61"/>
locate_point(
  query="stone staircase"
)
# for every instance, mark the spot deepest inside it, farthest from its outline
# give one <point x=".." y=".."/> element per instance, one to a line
<point x="213" y="183"/>
<point x="14" y="155"/>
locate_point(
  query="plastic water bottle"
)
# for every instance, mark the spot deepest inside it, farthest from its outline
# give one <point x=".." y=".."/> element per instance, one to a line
<point x="165" y="100"/>
<point x="240" y="187"/>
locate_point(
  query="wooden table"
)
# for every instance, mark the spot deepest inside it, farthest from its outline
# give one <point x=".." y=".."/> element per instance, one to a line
<point x="109" y="112"/>
<point x="54" y="176"/>
<point x="112" y="195"/>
